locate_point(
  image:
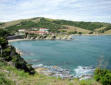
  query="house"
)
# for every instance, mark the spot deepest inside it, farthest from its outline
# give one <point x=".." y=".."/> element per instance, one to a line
<point x="21" y="32"/>
<point x="43" y="29"/>
<point x="35" y="29"/>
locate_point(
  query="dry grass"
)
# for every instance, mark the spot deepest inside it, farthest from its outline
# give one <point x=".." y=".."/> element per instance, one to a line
<point x="72" y="29"/>
<point x="107" y="32"/>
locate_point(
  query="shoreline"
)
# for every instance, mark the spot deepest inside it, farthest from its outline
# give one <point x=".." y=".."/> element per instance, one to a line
<point x="15" y="40"/>
<point x="92" y="34"/>
<point x="56" y="71"/>
<point x="19" y="51"/>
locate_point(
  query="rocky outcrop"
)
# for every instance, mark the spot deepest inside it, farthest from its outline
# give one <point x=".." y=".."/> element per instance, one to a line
<point x="50" y="37"/>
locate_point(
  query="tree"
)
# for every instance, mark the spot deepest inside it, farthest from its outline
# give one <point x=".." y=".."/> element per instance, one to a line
<point x="4" y="33"/>
<point x="3" y="42"/>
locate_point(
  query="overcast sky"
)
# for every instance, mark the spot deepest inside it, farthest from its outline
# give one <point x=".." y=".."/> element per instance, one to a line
<point x="77" y="10"/>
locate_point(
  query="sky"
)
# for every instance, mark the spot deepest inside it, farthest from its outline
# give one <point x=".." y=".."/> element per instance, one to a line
<point x="76" y="10"/>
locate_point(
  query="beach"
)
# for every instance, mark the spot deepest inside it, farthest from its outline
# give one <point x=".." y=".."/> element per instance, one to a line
<point x="15" y="40"/>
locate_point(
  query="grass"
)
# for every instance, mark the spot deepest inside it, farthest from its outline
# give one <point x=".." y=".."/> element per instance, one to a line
<point x="107" y="32"/>
<point x="13" y="76"/>
<point x="72" y="29"/>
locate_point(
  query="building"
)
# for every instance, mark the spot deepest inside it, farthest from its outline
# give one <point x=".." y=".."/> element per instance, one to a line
<point x="43" y="29"/>
<point x="21" y="32"/>
<point x="35" y="29"/>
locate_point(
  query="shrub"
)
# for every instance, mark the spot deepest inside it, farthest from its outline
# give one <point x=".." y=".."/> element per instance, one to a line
<point x="103" y="76"/>
<point x="4" y="80"/>
<point x="91" y="32"/>
<point x="80" y="33"/>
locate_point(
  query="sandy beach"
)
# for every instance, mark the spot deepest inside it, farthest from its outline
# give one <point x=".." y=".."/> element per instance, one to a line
<point x="14" y="40"/>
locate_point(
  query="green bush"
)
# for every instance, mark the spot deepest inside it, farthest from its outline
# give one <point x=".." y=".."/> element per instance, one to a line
<point x="4" y="80"/>
<point x="103" y="76"/>
<point x="80" y="33"/>
<point x="4" y="33"/>
<point x="3" y="42"/>
<point x="91" y="32"/>
<point x="75" y="32"/>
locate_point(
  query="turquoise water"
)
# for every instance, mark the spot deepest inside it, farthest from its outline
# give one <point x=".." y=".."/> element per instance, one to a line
<point x="82" y="51"/>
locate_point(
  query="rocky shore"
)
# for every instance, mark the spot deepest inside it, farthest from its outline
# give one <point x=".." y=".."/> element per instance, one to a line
<point x="81" y="73"/>
<point x="50" y="37"/>
<point x="19" y="51"/>
<point x="54" y="71"/>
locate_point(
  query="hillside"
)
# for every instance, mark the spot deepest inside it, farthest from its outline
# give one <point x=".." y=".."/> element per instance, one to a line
<point x="55" y="25"/>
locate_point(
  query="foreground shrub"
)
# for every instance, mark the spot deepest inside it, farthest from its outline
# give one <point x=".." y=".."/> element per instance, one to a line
<point x="103" y="76"/>
<point x="4" y="80"/>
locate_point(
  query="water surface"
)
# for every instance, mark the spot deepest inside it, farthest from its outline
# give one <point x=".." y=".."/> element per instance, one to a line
<point x="82" y="51"/>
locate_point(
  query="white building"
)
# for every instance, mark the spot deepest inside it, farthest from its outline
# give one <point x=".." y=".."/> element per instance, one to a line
<point x="43" y="30"/>
<point x="21" y="30"/>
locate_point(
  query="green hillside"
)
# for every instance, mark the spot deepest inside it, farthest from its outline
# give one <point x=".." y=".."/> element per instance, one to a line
<point x="57" y="25"/>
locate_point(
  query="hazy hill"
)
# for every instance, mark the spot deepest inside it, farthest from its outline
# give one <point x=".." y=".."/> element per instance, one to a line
<point x="56" y="25"/>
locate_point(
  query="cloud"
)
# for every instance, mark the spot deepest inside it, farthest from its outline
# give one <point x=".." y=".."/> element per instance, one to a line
<point x="78" y="10"/>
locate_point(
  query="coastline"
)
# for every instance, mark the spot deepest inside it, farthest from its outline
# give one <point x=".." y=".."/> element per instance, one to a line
<point x="19" y="51"/>
<point x="92" y="34"/>
<point x="46" y="70"/>
<point x="26" y="39"/>
<point x="15" y="40"/>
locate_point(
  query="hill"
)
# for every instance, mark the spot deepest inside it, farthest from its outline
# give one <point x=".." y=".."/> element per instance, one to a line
<point x="55" y="25"/>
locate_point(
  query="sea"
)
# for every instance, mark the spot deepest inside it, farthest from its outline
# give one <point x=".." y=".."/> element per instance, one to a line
<point x="80" y="56"/>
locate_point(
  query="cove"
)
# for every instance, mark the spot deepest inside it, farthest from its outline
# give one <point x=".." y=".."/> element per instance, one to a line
<point x="82" y="51"/>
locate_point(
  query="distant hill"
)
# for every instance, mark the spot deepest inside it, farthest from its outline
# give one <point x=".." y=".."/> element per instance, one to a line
<point x="56" y="25"/>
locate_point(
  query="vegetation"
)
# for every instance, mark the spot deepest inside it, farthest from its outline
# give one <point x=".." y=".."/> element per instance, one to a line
<point x="4" y="80"/>
<point x="4" y="33"/>
<point x="105" y="29"/>
<point x="29" y="24"/>
<point x="55" y="25"/>
<point x="84" y="25"/>
<point x="13" y="76"/>
<point x="8" y="54"/>
<point x="103" y="76"/>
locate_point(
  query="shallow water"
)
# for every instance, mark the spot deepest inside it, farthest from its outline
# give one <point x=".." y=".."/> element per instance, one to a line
<point x="82" y="51"/>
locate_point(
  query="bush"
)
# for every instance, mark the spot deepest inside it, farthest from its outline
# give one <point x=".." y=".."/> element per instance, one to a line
<point x="4" y="33"/>
<point x="80" y="33"/>
<point x="91" y="32"/>
<point x="4" y="80"/>
<point x="3" y="42"/>
<point x="103" y="76"/>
